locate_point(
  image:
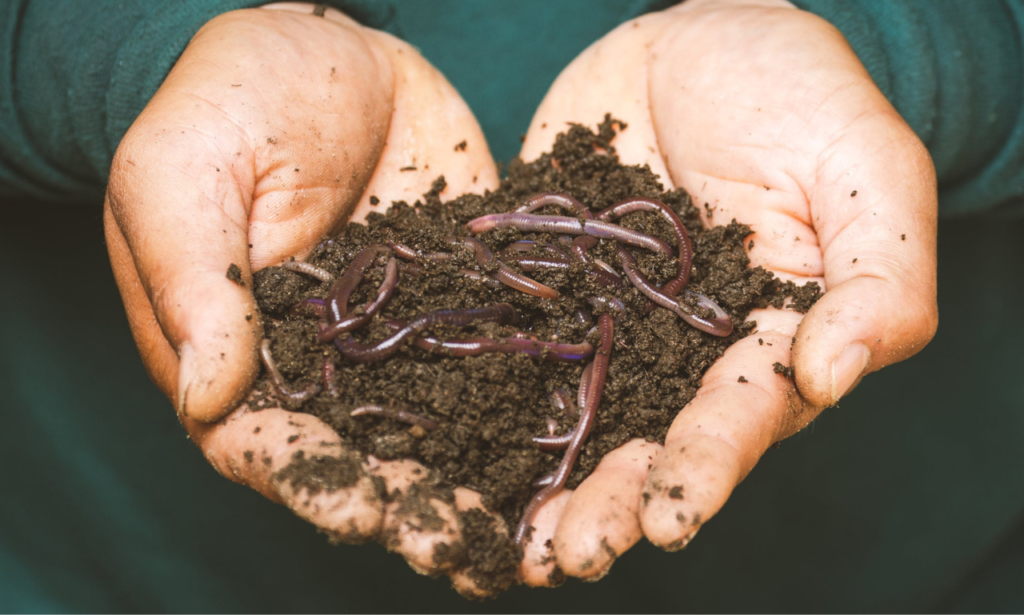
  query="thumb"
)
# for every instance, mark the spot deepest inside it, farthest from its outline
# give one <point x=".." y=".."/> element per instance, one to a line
<point x="178" y="241"/>
<point x="874" y="207"/>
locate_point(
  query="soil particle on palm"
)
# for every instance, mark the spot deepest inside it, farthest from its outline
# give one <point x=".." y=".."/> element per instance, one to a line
<point x="234" y="274"/>
<point x="489" y="407"/>
<point x="785" y="370"/>
<point x="321" y="473"/>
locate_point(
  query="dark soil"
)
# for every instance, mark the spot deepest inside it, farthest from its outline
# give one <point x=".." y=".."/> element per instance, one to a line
<point x="488" y="407"/>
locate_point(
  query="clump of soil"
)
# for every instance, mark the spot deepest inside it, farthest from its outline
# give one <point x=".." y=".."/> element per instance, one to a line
<point x="489" y="407"/>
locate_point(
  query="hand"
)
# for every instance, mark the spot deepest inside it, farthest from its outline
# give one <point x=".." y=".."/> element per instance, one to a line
<point x="271" y="132"/>
<point x="765" y="113"/>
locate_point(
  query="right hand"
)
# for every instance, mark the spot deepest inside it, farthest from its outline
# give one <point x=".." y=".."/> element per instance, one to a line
<point x="272" y="132"/>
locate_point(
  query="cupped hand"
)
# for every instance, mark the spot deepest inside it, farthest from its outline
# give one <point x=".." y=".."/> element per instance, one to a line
<point x="764" y="113"/>
<point x="272" y="131"/>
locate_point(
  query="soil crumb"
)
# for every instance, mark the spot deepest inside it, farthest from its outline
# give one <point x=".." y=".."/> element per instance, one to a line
<point x="234" y="274"/>
<point x="487" y="408"/>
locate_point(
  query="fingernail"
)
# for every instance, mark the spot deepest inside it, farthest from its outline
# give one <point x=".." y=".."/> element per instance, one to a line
<point x="848" y="368"/>
<point x="186" y="372"/>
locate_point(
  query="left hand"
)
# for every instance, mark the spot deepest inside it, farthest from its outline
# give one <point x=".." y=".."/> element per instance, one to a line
<point x="764" y="112"/>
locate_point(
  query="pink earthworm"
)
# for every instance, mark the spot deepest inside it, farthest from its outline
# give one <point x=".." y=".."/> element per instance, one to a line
<point x="602" y="271"/>
<point x="474" y="346"/>
<point x="569" y="226"/>
<point x="719" y="325"/>
<point x="409" y="254"/>
<point x="337" y="296"/>
<point x="280" y="386"/>
<point x="399" y="415"/>
<point x="311" y="270"/>
<point x="599" y="373"/>
<point x="317" y="306"/>
<point x="506" y="276"/>
<point x="564" y="201"/>
<point x="327" y="374"/>
<point x="350" y="323"/>
<point x="558" y="443"/>
<point x="685" y="245"/>
<point x="501" y="313"/>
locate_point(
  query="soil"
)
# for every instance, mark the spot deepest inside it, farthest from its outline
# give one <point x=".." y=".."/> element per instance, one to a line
<point x="489" y="407"/>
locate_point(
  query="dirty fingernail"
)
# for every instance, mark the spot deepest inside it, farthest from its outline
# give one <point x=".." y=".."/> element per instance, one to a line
<point x="186" y="372"/>
<point x="847" y="368"/>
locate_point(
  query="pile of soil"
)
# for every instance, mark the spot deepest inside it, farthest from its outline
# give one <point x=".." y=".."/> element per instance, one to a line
<point x="488" y="407"/>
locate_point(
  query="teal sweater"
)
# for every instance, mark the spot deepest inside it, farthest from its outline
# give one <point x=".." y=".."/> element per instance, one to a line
<point x="908" y="498"/>
<point x="73" y="80"/>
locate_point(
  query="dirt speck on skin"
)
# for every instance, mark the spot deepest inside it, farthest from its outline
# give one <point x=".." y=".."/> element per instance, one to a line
<point x="234" y="274"/>
<point x="787" y="371"/>
<point x="317" y="473"/>
<point x="489" y="407"/>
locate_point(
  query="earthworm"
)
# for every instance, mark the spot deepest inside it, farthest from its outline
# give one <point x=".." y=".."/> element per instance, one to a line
<point x="539" y="263"/>
<point x="549" y="198"/>
<point x="384" y="293"/>
<point x="720" y="325"/>
<point x="552" y="442"/>
<point x="399" y="415"/>
<point x="609" y="304"/>
<point x="685" y="246"/>
<point x="581" y="393"/>
<point x="403" y="251"/>
<point x="561" y="399"/>
<point x="583" y="318"/>
<point x="317" y="306"/>
<point x="280" y="386"/>
<point x="409" y="254"/>
<point x="552" y="425"/>
<point x="543" y="481"/>
<point x="484" y="279"/>
<point x="311" y="270"/>
<point x="599" y="372"/>
<point x="526" y="245"/>
<point x="604" y="273"/>
<point x="327" y="373"/>
<point x="337" y="296"/>
<point x="569" y="226"/>
<point x="474" y="346"/>
<point x="501" y="313"/>
<point x="580" y="245"/>
<point x="506" y="276"/>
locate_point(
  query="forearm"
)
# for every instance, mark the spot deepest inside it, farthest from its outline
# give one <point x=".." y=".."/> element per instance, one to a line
<point x="74" y="76"/>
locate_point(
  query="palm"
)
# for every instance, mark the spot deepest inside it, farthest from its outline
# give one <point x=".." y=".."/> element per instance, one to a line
<point x="764" y="114"/>
<point x="274" y="129"/>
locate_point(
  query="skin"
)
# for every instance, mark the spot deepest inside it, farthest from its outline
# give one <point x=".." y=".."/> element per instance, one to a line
<point x="765" y="113"/>
<point x="276" y="126"/>
<point x="272" y="131"/>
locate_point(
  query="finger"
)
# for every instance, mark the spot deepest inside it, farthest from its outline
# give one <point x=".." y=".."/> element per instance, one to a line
<point x="478" y="579"/>
<point x="722" y="433"/>
<point x="827" y="155"/>
<point x="181" y="193"/>
<point x="601" y="521"/>
<point x="539" y="567"/>
<point x="605" y="79"/>
<point x="432" y="133"/>
<point x="297" y="460"/>
<point x="420" y="522"/>
<point x="875" y="210"/>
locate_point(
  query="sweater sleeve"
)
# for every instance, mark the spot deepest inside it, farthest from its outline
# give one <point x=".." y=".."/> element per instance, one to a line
<point x="955" y="71"/>
<point x="74" y="76"/>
